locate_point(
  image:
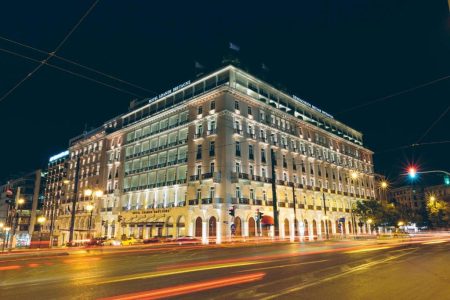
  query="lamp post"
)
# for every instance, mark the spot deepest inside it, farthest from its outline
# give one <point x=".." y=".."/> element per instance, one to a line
<point x="90" y="208"/>
<point x="41" y="220"/>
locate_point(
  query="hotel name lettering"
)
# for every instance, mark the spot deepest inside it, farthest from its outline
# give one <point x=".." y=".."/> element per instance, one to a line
<point x="151" y="211"/>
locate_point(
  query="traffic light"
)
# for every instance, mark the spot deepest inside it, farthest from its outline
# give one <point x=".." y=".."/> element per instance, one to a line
<point x="447" y="180"/>
<point x="231" y="211"/>
<point x="260" y="215"/>
<point x="412" y="172"/>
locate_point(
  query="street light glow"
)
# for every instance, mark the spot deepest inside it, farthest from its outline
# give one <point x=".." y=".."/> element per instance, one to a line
<point x="384" y="184"/>
<point x="89" y="207"/>
<point x="98" y="193"/>
<point x="354" y="175"/>
<point x="88" y="192"/>
<point x="41" y="220"/>
<point x="369" y="221"/>
<point x="21" y="201"/>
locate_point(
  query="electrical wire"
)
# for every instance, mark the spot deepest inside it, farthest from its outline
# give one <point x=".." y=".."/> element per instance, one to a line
<point x="70" y="72"/>
<point x="78" y="64"/>
<point x="434" y="123"/>
<point x="44" y="61"/>
<point x="393" y="95"/>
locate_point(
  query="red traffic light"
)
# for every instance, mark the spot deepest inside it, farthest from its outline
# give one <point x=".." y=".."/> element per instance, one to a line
<point x="412" y="172"/>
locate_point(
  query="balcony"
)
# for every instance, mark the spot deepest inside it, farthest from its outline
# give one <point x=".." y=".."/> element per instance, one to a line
<point x="212" y="131"/>
<point x="193" y="202"/>
<point x="301" y="205"/>
<point x="194" y="177"/>
<point x="207" y="201"/>
<point x="207" y="176"/>
<point x="251" y="136"/>
<point x="244" y="201"/>
<point x="318" y="207"/>
<point x="257" y="202"/>
<point x="310" y="206"/>
<point x="237" y="131"/>
<point x="212" y="153"/>
<point x="198" y="135"/>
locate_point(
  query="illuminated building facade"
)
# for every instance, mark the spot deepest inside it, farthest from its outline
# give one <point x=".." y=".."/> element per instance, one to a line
<point x="174" y="165"/>
<point x="179" y="161"/>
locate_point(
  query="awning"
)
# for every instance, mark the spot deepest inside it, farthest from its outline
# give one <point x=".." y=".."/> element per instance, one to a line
<point x="267" y="220"/>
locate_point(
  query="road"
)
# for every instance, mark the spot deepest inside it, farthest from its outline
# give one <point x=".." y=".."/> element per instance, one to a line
<point x="415" y="268"/>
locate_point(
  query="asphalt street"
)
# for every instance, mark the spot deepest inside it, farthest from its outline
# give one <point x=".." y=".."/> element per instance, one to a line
<point x="415" y="268"/>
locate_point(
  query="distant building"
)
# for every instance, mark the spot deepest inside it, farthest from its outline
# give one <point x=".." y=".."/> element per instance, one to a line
<point x="25" y="205"/>
<point x="440" y="192"/>
<point x="54" y="190"/>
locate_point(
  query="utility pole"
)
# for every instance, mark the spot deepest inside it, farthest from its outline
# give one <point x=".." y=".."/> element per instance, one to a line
<point x="74" y="201"/>
<point x="274" y="194"/>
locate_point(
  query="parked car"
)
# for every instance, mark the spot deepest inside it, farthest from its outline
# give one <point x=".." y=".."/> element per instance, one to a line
<point x="130" y="241"/>
<point x="111" y="242"/>
<point x="95" y="241"/>
<point x="152" y="240"/>
<point x="187" y="240"/>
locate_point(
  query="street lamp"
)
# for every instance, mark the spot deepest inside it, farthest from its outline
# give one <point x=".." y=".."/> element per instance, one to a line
<point x="41" y="220"/>
<point x="400" y="223"/>
<point x="90" y="208"/>
<point x="384" y="185"/>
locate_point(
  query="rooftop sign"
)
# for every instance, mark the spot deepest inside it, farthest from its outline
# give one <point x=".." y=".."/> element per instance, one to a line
<point x="60" y="155"/>
<point x="312" y="106"/>
<point x="168" y="92"/>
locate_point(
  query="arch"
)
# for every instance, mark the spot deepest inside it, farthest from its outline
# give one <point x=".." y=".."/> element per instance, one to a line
<point x="314" y="229"/>
<point x="169" y="227"/>
<point x="238" y="224"/>
<point x="251" y="227"/>
<point x="306" y="232"/>
<point x="350" y="229"/>
<point x="181" y="227"/>
<point x="198" y="227"/>
<point x="212" y="224"/>
<point x="330" y="229"/>
<point x="286" y="228"/>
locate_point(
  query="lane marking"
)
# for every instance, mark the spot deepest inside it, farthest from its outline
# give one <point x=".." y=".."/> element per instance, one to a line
<point x="189" y="288"/>
<point x="367" y="250"/>
<point x="283" y="266"/>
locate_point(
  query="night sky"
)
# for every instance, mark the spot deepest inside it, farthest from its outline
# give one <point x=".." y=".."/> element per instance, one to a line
<point x="335" y="54"/>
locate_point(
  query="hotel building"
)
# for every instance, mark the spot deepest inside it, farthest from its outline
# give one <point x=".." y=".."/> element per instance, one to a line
<point x="174" y="165"/>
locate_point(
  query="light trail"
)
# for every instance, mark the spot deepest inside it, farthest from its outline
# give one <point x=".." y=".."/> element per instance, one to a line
<point x="7" y="268"/>
<point x="190" y="287"/>
<point x="172" y="272"/>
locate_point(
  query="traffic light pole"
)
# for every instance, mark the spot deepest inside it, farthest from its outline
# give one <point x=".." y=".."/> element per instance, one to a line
<point x="74" y="202"/>
<point x="274" y="194"/>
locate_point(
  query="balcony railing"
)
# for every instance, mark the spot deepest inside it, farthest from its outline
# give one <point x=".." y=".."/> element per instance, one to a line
<point x="193" y="202"/>
<point x="207" y="201"/>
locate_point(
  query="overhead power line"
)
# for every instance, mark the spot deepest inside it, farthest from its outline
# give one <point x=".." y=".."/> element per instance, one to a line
<point x="71" y="72"/>
<point x="393" y="95"/>
<point x="44" y="61"/>
<point x="434" y="123"/>
<point x="77" y="64"/>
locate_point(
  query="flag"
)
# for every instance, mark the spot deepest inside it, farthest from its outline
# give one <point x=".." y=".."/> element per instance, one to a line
<point x="199" y="65"/>
<point x="234" y="47"/>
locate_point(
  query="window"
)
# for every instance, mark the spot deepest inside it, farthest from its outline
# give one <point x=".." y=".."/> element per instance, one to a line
<point x="249" y="110"/>
<point x="199" y="110"/>
<point x="251" y="155"/>
<point x="252" y="172"/>
<point x="199" y="151"/>
<point x="211" y="168"/>
<point x="238" y="192"/>
<point x="199" y="194"/>
<point x="238" y="167"/>
<point x="252" y="194"/>
<point x="212" y="105"/>
<point x="264" y="195"/>
<point x="212" y="149"/>
<point x="263" y="155"/>
<point x="262" y="115"/>
<point x="199" y="170"/>
<point x="238" y="148"/>
<point x="263" y="172"/>
<point x="285" y="177"/>
<point x="236" y="105"/>
<point x="212" y="192"/>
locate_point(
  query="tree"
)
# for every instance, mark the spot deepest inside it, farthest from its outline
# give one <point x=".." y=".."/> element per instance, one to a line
<point x="438" y="213"/>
